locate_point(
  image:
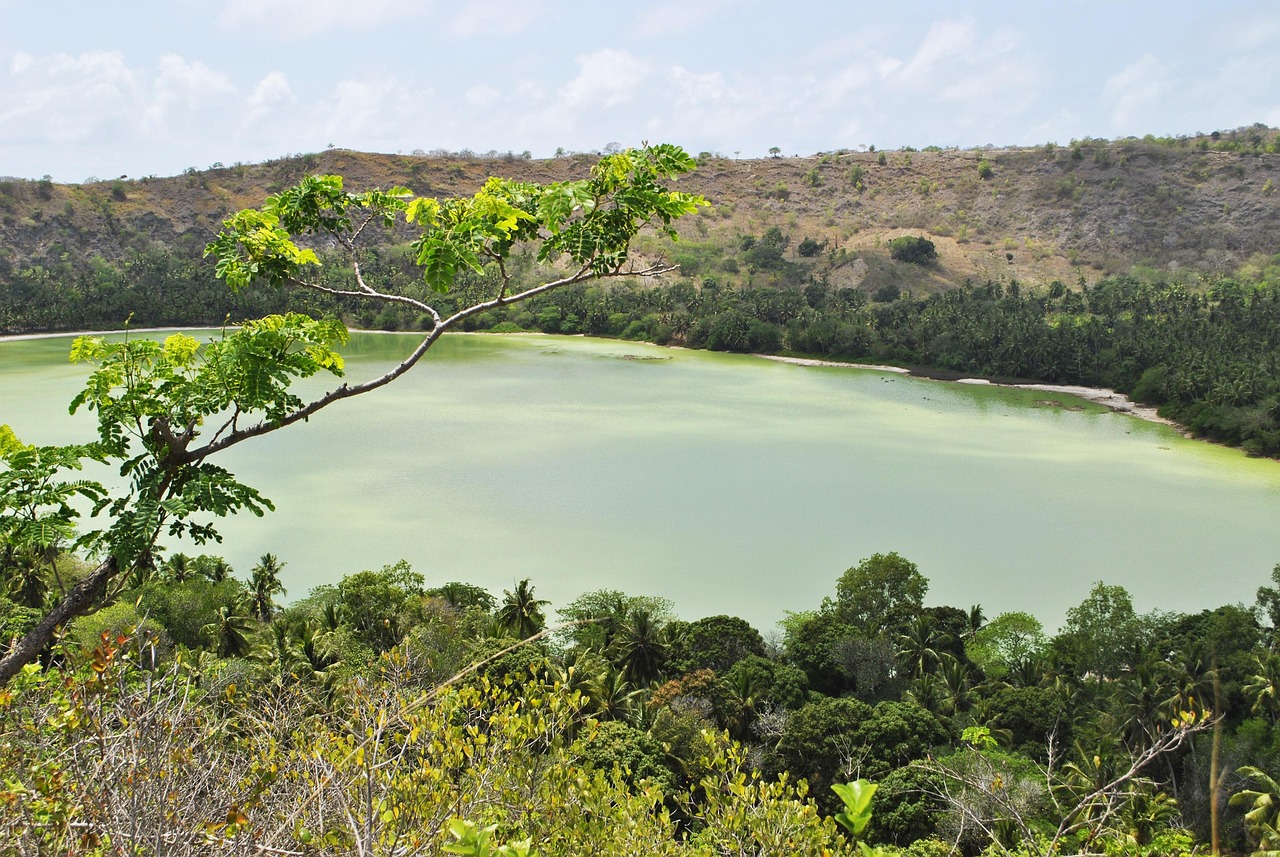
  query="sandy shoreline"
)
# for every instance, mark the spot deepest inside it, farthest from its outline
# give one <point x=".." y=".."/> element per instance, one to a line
<point x="1118" y="402"/>
<point x="1107" y="398"/>
<point x="18" y="337"/>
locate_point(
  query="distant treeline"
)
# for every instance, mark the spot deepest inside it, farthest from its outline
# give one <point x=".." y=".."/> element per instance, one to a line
<point x="1207" y="357"/>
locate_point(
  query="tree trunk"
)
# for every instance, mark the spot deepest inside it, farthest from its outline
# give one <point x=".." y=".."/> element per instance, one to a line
<point x="83" y="596"/>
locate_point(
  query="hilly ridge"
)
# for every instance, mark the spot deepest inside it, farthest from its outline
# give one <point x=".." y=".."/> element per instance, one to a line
<point x="1180" y="208"/>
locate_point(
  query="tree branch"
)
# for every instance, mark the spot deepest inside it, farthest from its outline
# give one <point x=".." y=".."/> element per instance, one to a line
<point x="81" y="597"/>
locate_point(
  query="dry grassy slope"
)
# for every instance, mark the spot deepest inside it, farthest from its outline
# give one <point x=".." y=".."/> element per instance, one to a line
<point x="1042" y="214"/>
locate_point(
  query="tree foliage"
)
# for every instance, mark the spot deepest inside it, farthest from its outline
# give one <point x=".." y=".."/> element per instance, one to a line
<point x="914" y="249"/>
<point x="882" y="593"/>
<point x="164" y="409"/>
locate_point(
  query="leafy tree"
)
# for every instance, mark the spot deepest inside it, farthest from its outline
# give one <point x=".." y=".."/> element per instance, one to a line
<point x="1100" y="632"/>
<point x="808" y="248"/>
<point x="614" y="744"/>
<point x="835" y="740"/>
<point x="767" y="682"/>
<point x="1035" y="719"/>
<point x="1006" y="641"/>
<point x="600" y="614"/>
<point x="882" y="593"/>
<point x="767" y="251"/>
<point x="183" y="609"/>
<point x="714" y="643"/>
<point x="914" y="249"/>
<point x="811" y="641"/>
<point x="1269" y="601"/>
<point x="164" y="410"/>
<point x="36" y="512"/>
<point x="380" y="606"/>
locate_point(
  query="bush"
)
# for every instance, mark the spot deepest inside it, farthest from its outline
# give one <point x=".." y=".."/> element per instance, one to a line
<point x="887" y="294"/>
<point x="913" y="249"/>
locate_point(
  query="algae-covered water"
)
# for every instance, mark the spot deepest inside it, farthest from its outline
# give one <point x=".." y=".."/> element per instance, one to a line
<point x="727" y="483"/>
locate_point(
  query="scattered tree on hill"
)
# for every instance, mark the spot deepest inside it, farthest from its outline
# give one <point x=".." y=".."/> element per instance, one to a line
<point x="913" y="249"/>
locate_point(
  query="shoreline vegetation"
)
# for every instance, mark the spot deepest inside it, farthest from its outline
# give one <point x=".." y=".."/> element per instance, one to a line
<point x="1116" y="401"/>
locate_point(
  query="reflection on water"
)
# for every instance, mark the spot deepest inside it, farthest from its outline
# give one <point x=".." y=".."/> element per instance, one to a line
<point x="727" y="483"/>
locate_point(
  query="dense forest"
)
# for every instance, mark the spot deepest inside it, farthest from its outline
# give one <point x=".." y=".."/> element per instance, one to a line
<point x="157" y="703"/>
<point x="1206" y="355"/>
<point x="363" y="716"/>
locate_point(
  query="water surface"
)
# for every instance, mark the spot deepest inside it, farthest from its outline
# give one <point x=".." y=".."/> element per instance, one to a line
<point x="727" y="483"/>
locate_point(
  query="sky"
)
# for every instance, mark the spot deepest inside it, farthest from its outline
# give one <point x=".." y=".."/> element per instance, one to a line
<point x="104" y="89"/>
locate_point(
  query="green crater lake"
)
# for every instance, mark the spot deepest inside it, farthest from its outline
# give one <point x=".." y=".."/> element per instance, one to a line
<point x="728" y="483"/>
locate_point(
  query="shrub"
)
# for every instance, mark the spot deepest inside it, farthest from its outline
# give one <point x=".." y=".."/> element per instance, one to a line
<point x="856" y="177"/>
<point x="913" y="249"/>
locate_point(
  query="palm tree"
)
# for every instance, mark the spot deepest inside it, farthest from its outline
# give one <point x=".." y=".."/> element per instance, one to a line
<point x="179" y="568"/>
<point x="213" y="567"/>
<point x="229" y="633"/>
<point x="1263" y="809"/>
<point x="24" y="578"/>
<point x="1142" y="699"/>
<point x="612" y="697"/>
<point x="744" y="688"/>
<point x="956" y="684"/>
<point x="918" y="645"/>
<point x="927" y="692"/>
<point x="976" y="621"/>
<point x="640" y="648"/>
<point x="263" y="586"/>
<point x="521" y="612"/>
<point x="1264" y="686"/>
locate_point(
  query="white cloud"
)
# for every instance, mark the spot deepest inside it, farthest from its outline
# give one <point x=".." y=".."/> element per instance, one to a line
<point x="301" y="19"/>
<point x="605" y="78"/>
<point x="490" y="17"/>
<point x="483" y="96"/>
<point x="1132" y="90"/>
<point x="272" y="94"/>
<point x="700" y="90"/>
<point x="945" y="42"/>
<point x="378" y="112"/>
<point x="62" y="98"/>
<point x="185" y="87"/>
<point x="677" y="16"/>
<point x="272" y="89"/>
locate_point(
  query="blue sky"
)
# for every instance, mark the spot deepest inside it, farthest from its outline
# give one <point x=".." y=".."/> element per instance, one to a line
<point x="97" y="89"/>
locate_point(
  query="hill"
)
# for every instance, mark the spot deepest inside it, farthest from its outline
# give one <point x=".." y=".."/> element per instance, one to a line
<point x="1180" y="208"/>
